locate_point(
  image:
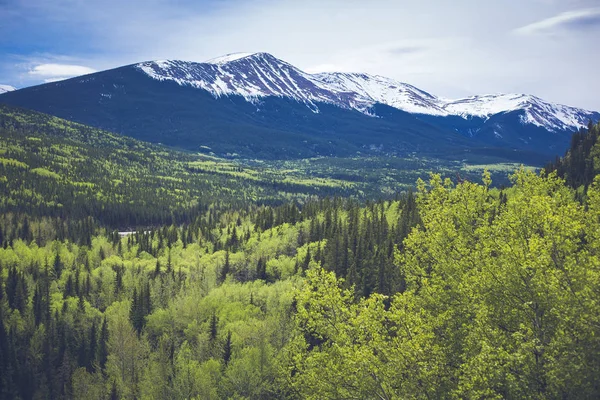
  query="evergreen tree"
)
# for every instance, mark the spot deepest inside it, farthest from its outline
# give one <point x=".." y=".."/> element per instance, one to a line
<point x="38" y="306"/>
<point x="213" y="327"/>
<point x="102" y="351"/>
<point x="157" y="269"/>
<point x="58" y="265"/>
<point x="261" y="269"/>
<point x="306" y="262"/>
<point x="227" y="349"/>
<point x="91" y="364"/>
<point x="136" y="312"/>
<point x="226" y="268"/>
<point x="114" y="394"/>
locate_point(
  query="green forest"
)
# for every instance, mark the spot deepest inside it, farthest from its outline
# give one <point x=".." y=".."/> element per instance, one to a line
<point x="233" y="281"/>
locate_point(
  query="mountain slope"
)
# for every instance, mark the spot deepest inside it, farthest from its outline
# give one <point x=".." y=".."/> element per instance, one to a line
<point x="127" y="101"/>
<point x="50" y="167"/>
<point x="256" y="105"/>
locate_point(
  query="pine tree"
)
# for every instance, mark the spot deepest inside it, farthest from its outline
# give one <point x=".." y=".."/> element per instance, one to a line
<point x="88" y="286"/>
<point x="82" y="353"/>
<point x="69" y="291"/>
<point x="114" y="394"/>
<point x="169" y="264"/>
<point x="58" y="265"/>
<point x="307" y="258"/>
<point x="227" y="349"/>
<point x="213" y="327"/>
<point x="146" y="300"/>
<point x="225" y="269"/>
<point x="261" y="270"/>
<point x="102" y="356"/>
<point x="12" y="282"/>
<point x="136" y="315"/>
<point x="93" y="348"/>
<point x="16" y="290"/>
<point x="157" y="269"/>
<point x="118" y="280"/>
<point x="38" y="306"/>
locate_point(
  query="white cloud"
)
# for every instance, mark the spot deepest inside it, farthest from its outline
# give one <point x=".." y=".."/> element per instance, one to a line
<point x="59" y="71"/>
<point x="576" y="19"/>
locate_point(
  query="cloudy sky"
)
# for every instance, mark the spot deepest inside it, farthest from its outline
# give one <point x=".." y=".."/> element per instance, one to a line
<point x="450" y="48"/>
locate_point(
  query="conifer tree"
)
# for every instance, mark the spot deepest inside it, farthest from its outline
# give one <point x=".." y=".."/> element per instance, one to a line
<point x="225" y="269"/>
<point x="227" y="349"/>
<point x="58" y="266"/>
<point x="102" y="356"/>
<point x="93" y="348"/>
<point x="136" y="312"/>
<point x="38" y="306"/>
<point x="213" y="327"/>
<point x="261" y="270"/>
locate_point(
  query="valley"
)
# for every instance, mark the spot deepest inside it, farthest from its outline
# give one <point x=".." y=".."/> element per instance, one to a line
<point x="127" y="184"/>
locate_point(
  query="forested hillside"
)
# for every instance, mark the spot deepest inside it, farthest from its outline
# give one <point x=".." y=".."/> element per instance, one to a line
<point x="492" y="294"/>
<point x="581" y="162"/>
<point x="54" y="170"/>
<point x="235" y="288"/>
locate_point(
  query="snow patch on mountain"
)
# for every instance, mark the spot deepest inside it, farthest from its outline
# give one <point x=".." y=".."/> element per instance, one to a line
<point x="371" y="89"/>
<point x="229" y="57"/>
<point x="250" y="76"/>
<point x="6" y="88"/>
<point x="256" y="75"/>
<point x="536" y="111"/>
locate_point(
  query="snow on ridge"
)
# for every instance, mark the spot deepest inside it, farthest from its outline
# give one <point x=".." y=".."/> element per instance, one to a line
<point x="486" y="105"/>
<point x="7" y="88"/>
<point x="379" y="89"/>
<point x="536" y="111"/>
<point x="255" y="75"/>
<point x="228" y="58"/>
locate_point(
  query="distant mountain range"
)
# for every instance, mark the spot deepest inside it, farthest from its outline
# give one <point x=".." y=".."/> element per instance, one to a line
<point x="257" y="75"/>
<point x="255" y="105"/>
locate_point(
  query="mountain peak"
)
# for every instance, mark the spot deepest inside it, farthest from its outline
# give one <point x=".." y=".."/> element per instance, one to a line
<point x="237" y="56"/>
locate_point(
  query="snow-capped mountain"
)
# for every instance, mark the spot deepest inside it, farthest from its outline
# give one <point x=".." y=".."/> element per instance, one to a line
<point x="551" y="116"/>
<point x="257" y="75"/>
<point x="250" y="75"/>
<point x="6" y="88"/>
<point x="257" y="106"/>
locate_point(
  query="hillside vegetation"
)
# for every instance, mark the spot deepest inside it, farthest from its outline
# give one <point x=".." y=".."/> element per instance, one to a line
<point x="454" y="291"/>
<point x="53" y="167"/>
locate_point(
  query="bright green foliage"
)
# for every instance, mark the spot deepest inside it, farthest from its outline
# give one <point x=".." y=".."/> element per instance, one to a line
<point x="500" y="302"/>
<point x="51" y="167"/>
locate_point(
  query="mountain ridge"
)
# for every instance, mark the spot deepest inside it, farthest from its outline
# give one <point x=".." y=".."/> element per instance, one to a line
<point x="256" y="75"/>
<point x="254" y="105"/>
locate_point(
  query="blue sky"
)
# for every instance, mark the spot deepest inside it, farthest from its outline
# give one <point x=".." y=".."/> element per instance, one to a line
<point x="450" y="48"/>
